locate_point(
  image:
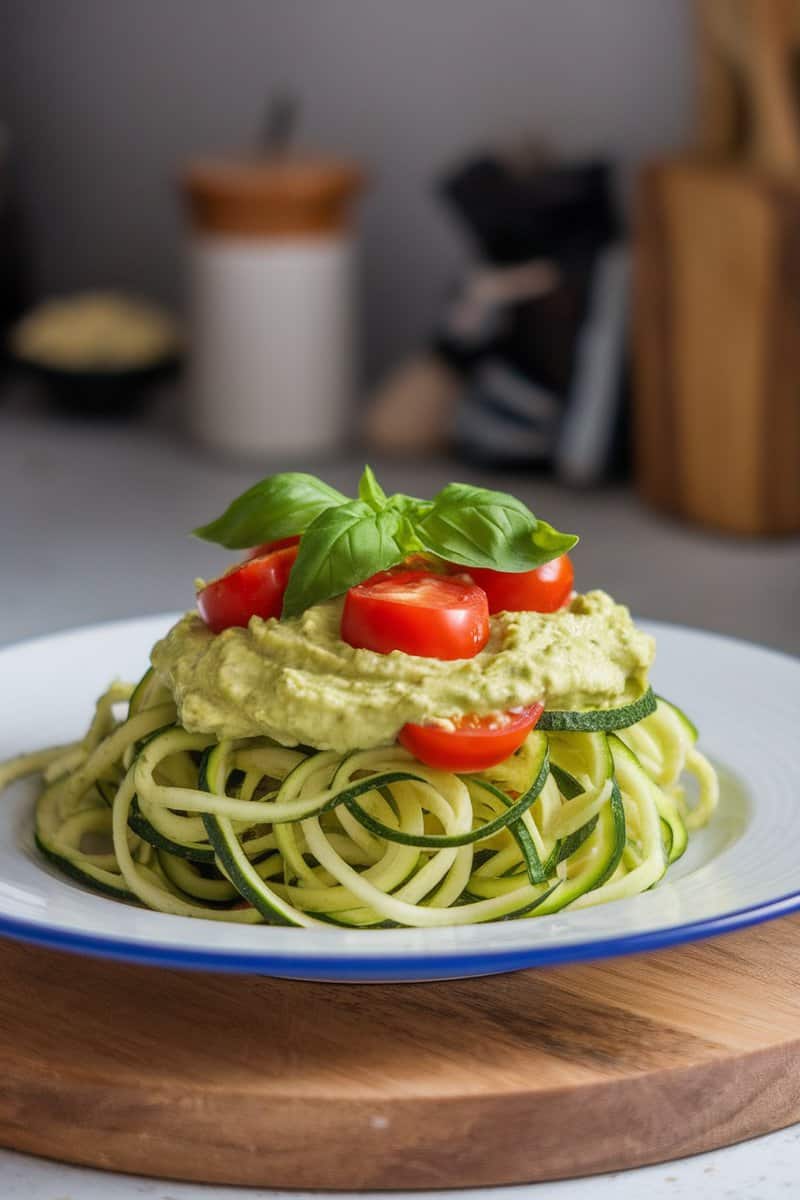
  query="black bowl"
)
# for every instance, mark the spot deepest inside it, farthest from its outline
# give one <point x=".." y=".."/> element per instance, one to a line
<point x="110" y="394"/>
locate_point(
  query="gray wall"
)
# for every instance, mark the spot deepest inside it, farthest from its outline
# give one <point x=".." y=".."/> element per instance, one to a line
<point x="106" y="97"/>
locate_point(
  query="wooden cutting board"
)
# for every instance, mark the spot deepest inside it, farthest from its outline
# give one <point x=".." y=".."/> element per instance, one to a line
<point x="717" y="345"/>
<point x="523" y="1077"/>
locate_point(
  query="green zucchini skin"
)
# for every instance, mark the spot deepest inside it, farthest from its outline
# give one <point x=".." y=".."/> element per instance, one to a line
<point x="148" y="692"/>
<point x="630" y="773"/>
<point x="569" y="787"/>
<point x="192" y="851"/>
<point x="598" y="720"/>
<point x="688" y="724"/>
<point x="227" y="850"/>
<point x="603" y="843"/>
<point x="435" y="841"/>
<point x="84" y="876"/>
<point x="533" y="864"/>
<point x="46" y="825"/>
<point x="180" y="872"/>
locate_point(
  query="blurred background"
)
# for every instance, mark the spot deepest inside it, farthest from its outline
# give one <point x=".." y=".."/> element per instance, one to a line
<point x="552" y="246"/>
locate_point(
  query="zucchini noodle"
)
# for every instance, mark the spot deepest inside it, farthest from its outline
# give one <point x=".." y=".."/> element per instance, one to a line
<point x="253" y="832"/>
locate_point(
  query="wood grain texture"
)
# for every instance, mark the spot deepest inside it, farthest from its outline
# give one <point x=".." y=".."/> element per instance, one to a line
<point x="717" y="346"/>
<point x="524" y="1077"/>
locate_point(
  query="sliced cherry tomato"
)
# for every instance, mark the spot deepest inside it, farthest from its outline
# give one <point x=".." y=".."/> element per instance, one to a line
<point x="268" y="547"/>
<point x="252" y="589"/>
<point x="544" y="590"/>
<point x="475" y="743"/>
<point x="432" y="616"/>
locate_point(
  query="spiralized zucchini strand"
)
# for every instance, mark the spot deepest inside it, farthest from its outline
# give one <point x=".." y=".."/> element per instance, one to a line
<point x="253" y="832"/>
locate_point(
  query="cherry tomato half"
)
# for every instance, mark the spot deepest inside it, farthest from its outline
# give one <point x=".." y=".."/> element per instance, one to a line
<point x="252" y="589"/>
<point x="432" y="616"/>
<point x="268" y="547"/>
<point x="544" y="590"/>
<point x="476" y="742"/>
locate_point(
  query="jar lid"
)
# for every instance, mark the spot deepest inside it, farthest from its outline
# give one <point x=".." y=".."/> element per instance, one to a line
<point x="270" y="196"/>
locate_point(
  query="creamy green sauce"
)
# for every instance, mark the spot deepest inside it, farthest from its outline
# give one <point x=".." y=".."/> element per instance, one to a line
<point x="297" y="682"/>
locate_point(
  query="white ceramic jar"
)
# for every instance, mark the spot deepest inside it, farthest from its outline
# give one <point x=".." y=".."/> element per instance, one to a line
<point x="272" y="306"/>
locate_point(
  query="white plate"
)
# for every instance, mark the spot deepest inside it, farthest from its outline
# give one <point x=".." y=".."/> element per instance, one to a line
<point x="743" y="868"/>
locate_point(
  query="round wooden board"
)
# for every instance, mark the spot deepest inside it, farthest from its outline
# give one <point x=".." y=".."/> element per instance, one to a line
<point x="524" y="1077"/>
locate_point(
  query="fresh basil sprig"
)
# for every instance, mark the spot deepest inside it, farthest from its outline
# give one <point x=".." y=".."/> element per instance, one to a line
<point x="345" y="541"/>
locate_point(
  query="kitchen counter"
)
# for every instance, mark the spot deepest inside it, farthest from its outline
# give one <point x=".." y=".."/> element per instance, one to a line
<point x="93" y="526"/>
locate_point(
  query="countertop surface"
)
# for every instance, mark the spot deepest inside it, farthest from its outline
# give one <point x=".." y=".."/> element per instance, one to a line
<point x="93" y="527"/>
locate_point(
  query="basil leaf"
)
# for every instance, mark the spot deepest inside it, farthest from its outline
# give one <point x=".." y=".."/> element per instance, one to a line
<point x="549" y="538"/>
<point x="277" y="507"/>
<point x="343" y="547"/>
<point x="411" y="508"/>
<point x="476" y="527"/>
<point x="370" y="491"/>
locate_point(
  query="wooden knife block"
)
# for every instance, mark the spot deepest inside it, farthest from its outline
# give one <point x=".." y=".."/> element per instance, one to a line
<point x="717" y="345"/>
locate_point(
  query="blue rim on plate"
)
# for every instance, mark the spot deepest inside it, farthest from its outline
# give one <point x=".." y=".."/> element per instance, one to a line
<point x="405" y="969"/>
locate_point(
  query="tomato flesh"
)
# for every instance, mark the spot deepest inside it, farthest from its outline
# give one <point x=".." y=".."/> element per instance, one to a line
<point x="431" y="616"/>
<point x="546" y="589"/>
<point x="254" y="588"/>
<point x="268" y="547"/>
<point x="475" y="743"/>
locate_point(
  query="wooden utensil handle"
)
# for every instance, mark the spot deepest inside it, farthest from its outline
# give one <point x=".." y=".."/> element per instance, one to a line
<point x="776" y="137"/>
<point x="745" y="63"/>
<point x="720" y="85"/>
